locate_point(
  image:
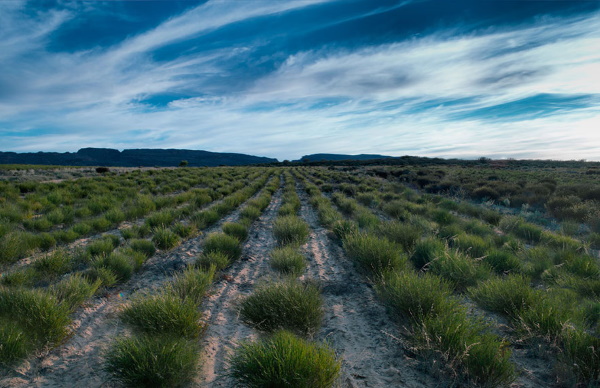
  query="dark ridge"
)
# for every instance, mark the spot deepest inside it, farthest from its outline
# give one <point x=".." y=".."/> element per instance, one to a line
<point x="133" y="158"/>
<point x="339" y="157"/>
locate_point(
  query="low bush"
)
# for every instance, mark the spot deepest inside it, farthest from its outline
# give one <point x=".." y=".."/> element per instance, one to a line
<point x="165" y="239"/>
<point x="289" y="305"/>
<point x="163" y="313"/>
<point x="461" y="270"/>
<point x="218" y="260"/>
<point x="427" y="250"/>
<point x="192" y="284"/>
<point x="236" y="230"/>
<point x="183" y="230"/>
<point x="502" y="261"/>
<point x="374" y="254"/>
<point x="403" y="234"/>
<point x="290" y="230"/>
<point x="344" y="228"/>
<point x="13" y="343"/>
<point x="145" y="247"/>
<point x="415" y="297"/>
<point x="74" y="290"/>
<point x="223" y="244"/>
<point x="509" y="295"/>
<point x="53" y="264"/>
<point x="117" y="263"/>
<point x="285" y="360"/>
<point x="152" y="361"/>
<point x="288" y="261"/>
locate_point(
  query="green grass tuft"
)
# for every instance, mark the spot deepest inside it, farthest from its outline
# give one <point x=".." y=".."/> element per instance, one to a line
<point x="289" y="305"/>
<point x="374" y="254"/>
<point x="288" y="261"/>
<point x="285" y="361"/>
<point x="224" y="244"/>
<point x="236" y="230"/>
<point x="290" y="230"/>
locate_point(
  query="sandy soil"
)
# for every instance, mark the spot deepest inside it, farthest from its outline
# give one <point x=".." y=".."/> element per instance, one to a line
<point x="225" y="330"/>
<point x="78" y="362"/>
<point x="356" y="325"/>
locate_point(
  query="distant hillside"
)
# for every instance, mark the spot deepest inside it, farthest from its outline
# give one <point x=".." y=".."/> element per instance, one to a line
<point x="338" y="157"/>
<point x="132" y="158"/>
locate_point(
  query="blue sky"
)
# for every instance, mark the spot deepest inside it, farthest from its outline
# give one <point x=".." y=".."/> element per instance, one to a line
<point x="277" y="78"/>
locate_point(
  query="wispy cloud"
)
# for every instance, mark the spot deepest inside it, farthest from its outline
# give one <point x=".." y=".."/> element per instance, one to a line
<point x="519" y="89"/>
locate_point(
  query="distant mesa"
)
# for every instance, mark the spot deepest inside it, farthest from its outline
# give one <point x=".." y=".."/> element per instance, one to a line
<point x="133" y="158"/>
<point x="340" y="157"/>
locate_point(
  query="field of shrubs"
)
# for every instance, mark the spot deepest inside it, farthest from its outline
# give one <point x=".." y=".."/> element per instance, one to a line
<point x="300" y="277"/>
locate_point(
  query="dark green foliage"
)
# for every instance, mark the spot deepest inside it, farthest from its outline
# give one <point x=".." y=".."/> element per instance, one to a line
<point x="290" y="230"/>
<point x="510" y="295"/>
<point x="236" y="230"/>
<point x="13" y="342"/>
<point x="285" y="360"/>
<point x="164" y="313"/>
<point x="74" y="290"/>
<point x="427" y="250"/>
<point x="223" y="244"/>
<point x="143" y="246"/>
<point x="344" y="228"/>
<point x="153" y="361"/>
<point x="165" y="239"/>
<point x="502" y="261"/>
<point x="289" y="305"/>
<point x="215" y="259"/>
<point x="461" y="270"/>
<point x="117" y="263"/>
<point x="54" y="264"/>
<point x="288" y="261"/>
<point x="374" y="254"/>
<point x="405" y="235"/>
<point x="192" y="284"/>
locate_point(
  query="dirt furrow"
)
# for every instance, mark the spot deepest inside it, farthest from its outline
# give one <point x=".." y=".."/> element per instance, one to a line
<point x="79" y="361"/>
<point x="225" y="330"/>
<point x="355" y="324"/>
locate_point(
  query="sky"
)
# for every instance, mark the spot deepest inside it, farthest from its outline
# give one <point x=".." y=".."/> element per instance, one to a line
<point x="286" y="78"/>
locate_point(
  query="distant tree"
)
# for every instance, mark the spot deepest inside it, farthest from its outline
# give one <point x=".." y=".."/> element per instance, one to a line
<point x="102" y="170"/>
<point x="183" y="163"/>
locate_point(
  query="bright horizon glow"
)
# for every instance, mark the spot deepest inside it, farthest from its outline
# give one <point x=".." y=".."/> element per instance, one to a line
<point x="286" y="79"/>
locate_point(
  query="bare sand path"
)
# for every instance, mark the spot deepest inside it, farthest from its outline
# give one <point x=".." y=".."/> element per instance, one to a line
<point x="225" y="330"/>
<point x="356" y="325"/>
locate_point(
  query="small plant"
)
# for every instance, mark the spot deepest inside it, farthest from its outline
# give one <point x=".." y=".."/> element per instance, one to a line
<point x="118" y="264"/>
<point x="403" y="234"/>
<point x="143" y="246"/>
<point x="509" y="295"/>
<point x="290" y="230"/>
<point x="218" y="260"/>
<point x="427" y="250"/>
<point x="285" y="360"/>
<point x="251" y="212"/>
<point x="374" y="254"/>
<point x="288" y="261"/>
<point x="184" y="231"/>
<point x="163" y="313"/>
<point x="192" y="284"/>
<point x="502" y="261"/>
<point x="343" y="228"/>
<point x="152" y="361"/>
<point x="100" y="247"/>
<point x="224" y="244"/>
<point x="74" y="290"/>
<point x="236" y="230"/>
<point x="165" y="239"/>
<point x="13" y="343"/>
<point x="461" y="270"/>
<point x="53" y="264"/>
<point x="414" y="296"/>
<point x="289" y="305"/>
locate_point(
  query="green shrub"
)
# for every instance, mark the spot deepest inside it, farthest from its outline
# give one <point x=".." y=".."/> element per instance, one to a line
<point x="153" y="361"/>
<point x="288" y="261"/>
<point x="415" y="297"/>
<point x="366" y="219"/>
<point x="461" y="270"/>
<point x="115" y="216"/>
<point x="165" y="239"/>
<point x="74" y="290"/>
<point x="289" y="305"/>
<point x="343" y="228"/>
<point x="443" y="217"/>
<point x="374" y="254"/>
<point x="582" y="355"/>
<point x="105" y="276"/>
<point x="396" y="209"/>
<point x="162" y="219"/>
<point x="13" y="343"/>
<point x="145" y="247"/>
<point x="471" y="245"/>
<point x="290" y="230"/>
<point x="102" y="246"/>
<point x="37" y="312"/>
<point x="403" y="234"/>
<point x="502" y="261"/>
<point x="53" y="264"/>
<point x="285" y="361"/>
<point x="46" y="241"/>
<point x="192" y="284"/>
<point x="117" y="263"/>
<point x="236" y="230"/>
<point x="251" y="212"/>
<point x="224" y="244"/>
<point x="184" y="231"/>
<point x="163" y="313"/>
<point x="509" y="295"/>
<point x="427" y="250"/>
<point x="218" y="260"/>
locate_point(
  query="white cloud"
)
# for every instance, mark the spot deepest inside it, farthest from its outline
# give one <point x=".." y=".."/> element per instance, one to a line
<point x="93" y="96"/>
